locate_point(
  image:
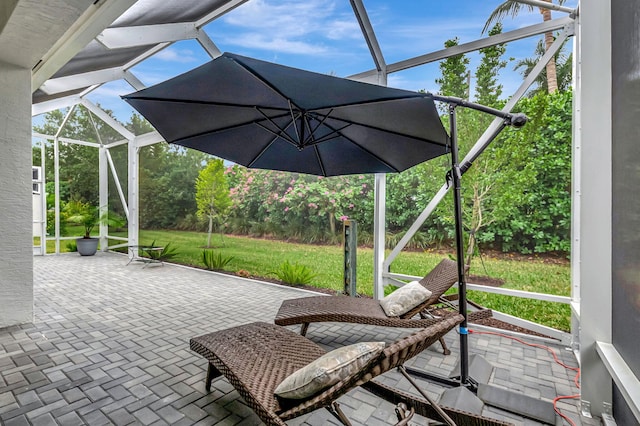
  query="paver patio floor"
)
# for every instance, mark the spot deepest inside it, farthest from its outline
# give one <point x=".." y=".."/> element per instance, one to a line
<point x="110" y="345"/>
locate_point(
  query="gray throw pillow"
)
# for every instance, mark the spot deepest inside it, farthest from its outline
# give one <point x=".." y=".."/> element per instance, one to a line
<point x="328" y="370"/>
<point x="404" y="299"/>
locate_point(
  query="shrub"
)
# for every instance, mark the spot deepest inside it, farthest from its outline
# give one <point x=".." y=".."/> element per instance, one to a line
<point x="72" y="246"/>
<point x="190" y="222"/>
<point x="167" y="253"/>
<point x="294" y="273"/>
<point x="215" y="261"/>
<point x="51" y="222"/>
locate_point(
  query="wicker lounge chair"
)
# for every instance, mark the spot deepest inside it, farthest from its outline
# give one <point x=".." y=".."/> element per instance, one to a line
<point x="363" y="310"/>
<point x="255" y="358"/>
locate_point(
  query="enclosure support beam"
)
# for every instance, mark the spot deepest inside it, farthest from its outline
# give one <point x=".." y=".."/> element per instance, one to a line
<point x="379" y="233"/>
<point x="56" y="179"/>
<point x="133" y="163"/>
<point x="116" y="180"/>
<point x="369" y="35"/>
<point x="576" y="184"/>
<point x="56" y="186"/>
<point x="207" y="44"/>
<point x="43" y="191"/>
<point x="107" y="119"/>
<point x="103" y="190"/>
<point x="595" y="222"/>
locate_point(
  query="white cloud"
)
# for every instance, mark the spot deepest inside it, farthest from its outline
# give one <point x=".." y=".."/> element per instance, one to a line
<point x="278" y="44"/>
<point x="342" y="29"/>
<point x="288" y="18"/>
<point x="176" y="55"/>
<point x="113" y="89"/>
<point x="150" y="78"/>
<point x="288" y="26"/>
<point x="400" y="82"/>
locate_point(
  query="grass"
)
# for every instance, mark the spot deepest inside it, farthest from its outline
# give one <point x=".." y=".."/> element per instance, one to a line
<point x="260" y="257"/>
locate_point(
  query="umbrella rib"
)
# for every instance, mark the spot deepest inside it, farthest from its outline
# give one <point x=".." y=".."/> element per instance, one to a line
<point x="197" y="102"/>
<point x="372" y="101"/>
<point x="282" y="135"/>
<point x="261" y="152"/>
<point x="334" y="134"/>
<point x="222" y="129"/>
<point x="383" y="161"/>
<point x="312" y="131"/>
<point x="320" y="163"/>
<point x="282" y="131"/>
<point x="348" y="122"/>
<point x="295" y="126"/>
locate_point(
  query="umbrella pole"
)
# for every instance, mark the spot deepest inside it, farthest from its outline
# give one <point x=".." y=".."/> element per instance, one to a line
<point x="462" y="284"/>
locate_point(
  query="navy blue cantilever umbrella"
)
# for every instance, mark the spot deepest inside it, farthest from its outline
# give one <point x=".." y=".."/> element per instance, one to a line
<point x="269" y="116"/>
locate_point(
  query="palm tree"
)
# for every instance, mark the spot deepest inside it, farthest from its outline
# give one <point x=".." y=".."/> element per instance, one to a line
<point x="513" y="8"/>
<point x="563" y="69"/>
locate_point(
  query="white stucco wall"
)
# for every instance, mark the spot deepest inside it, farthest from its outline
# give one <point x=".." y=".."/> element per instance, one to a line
<point x="16" y="257"/>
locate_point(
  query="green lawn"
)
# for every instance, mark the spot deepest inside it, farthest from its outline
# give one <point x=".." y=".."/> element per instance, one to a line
<point x="260" y="257"/>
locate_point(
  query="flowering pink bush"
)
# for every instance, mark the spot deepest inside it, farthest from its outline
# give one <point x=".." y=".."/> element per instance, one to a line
<point x="308" y="208"/>
<point x="311" y="208"/>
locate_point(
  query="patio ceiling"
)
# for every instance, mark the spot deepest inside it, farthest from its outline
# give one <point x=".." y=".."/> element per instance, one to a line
<point x="143" y="29"/>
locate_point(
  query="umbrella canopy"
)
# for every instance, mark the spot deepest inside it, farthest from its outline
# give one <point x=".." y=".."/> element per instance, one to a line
<point x="269" y="116"/>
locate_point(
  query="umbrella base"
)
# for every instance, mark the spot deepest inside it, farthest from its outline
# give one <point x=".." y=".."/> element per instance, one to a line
<point x="479" y="373"/>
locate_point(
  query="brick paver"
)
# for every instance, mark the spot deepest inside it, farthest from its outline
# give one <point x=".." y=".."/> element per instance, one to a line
<point x="110" y="345"/>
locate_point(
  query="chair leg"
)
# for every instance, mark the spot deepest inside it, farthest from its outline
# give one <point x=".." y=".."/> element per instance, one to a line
<point x="335" y="410"/>
<point x="445" y="349"/>
<point x="212" y="373"/>
<point x="303" y="329"/>
<point x="207" y="384"/>
<point x="404" y="414"/>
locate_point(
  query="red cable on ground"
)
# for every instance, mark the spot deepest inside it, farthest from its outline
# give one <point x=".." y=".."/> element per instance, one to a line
<point x="555" y="358"/>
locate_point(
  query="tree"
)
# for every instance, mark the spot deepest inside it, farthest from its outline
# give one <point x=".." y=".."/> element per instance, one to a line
<point x="454" y="74"/>
<point x="212" y="194"/>
<point x="513" y="8"/>
<point x="564" y="72"/>
<point x="488" y="91"/>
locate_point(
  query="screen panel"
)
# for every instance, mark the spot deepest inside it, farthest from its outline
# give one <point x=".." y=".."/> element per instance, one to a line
<point x="626" y="186"/>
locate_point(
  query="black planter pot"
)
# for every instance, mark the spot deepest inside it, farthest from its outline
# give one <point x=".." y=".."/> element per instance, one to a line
<point x="87" y="246"/>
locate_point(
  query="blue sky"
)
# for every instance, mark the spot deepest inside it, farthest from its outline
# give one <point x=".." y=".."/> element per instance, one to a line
<point x="324" y="36"/>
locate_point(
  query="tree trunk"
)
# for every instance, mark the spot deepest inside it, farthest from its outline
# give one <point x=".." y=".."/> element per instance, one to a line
<point x="552" y="78"/>
<point x="476" y="224"/>
<point x="332" y="223"/>
<point x="210" y="230"/>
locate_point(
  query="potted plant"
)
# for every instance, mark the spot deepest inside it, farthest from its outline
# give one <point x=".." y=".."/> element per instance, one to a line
<point x="89" y="216"/>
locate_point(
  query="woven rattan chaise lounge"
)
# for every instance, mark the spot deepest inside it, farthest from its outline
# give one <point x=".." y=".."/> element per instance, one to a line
<point x="255" y="358"/>
<point x="362" y="310"/>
